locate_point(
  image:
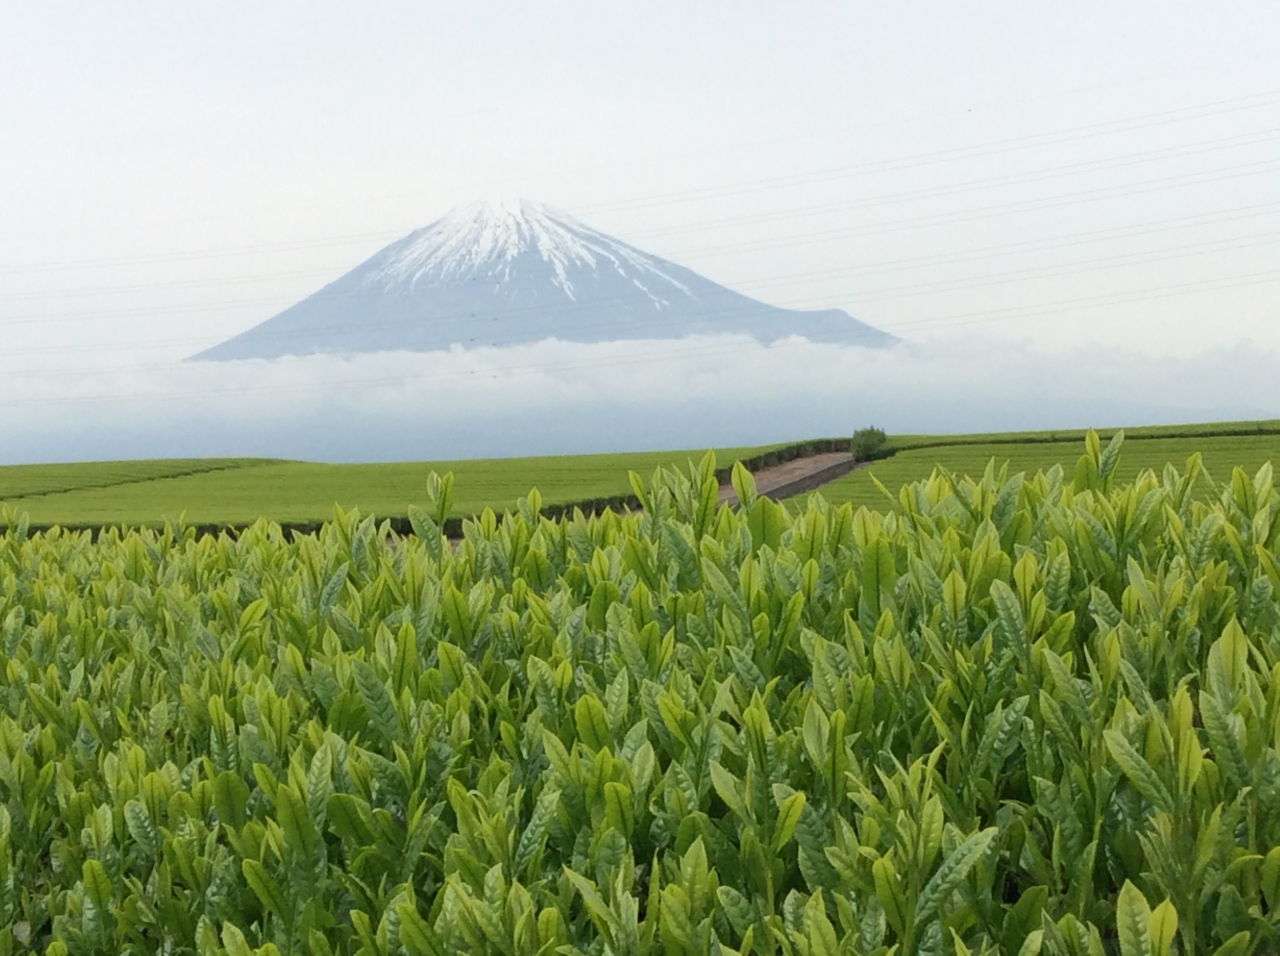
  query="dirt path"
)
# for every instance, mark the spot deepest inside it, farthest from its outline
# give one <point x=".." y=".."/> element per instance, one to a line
<point x="797" y="476"/>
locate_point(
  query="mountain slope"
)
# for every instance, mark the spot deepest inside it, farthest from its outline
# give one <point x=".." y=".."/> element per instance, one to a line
<point x="514" y="273"/>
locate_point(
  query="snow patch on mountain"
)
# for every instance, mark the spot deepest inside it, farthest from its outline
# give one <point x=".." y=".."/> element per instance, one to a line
<point x="485" y="238"/>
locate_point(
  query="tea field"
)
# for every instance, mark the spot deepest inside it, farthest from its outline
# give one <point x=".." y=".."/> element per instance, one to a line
<point x="33" y="481"/>
<point x="1144" y="448"/>
<point x="1017" y="715"/>
<point x="238" y="491"/>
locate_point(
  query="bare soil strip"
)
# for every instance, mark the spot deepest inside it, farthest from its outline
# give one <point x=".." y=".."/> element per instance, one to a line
<point x="797" y="476"/>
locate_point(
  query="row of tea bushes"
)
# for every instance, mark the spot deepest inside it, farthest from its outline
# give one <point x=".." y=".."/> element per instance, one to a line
<point x="1012" y="715"/>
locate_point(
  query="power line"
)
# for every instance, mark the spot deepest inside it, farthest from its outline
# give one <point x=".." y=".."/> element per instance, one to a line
<point x="959" y="319"/>
<point x="1124" y="298"/>
<point x="873" y="295"/>
<point x="633" y="358"/>
<point x="1142" y="121"/>
<point x="1090" y="265"/>
<point x="1261" y="167"/>
<point x="1255" y="101"/>
<point x="950" y="189"/>
<point x="976" y="185"/>
<point x="879" y="228"/>
<point x="978" y="151"/>
<point x="1134" y="230"/>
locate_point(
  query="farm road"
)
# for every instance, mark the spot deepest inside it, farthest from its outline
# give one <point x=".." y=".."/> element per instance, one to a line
<point x="797" y="476"/>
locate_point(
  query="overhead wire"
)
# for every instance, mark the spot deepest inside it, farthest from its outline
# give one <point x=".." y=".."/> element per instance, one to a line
<point x="1139" y="122"/>
<point x="656" y="321"/>
<point x="633" y="357"/>
<point x="950" y="189"/>
<point x="1147" y="121"/>
<point x="977" y="151"/>
<point x="1133" y="230"/>
<point x="645" y="334"/>
<point x="879" y="228"/>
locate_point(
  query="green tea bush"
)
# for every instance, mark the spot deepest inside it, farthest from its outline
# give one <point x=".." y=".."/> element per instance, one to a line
<point x="1013" y="715"/>
<point x="868" y="443"/>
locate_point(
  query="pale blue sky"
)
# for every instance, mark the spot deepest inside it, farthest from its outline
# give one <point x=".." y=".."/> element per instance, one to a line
<point x="1043" y="174"/>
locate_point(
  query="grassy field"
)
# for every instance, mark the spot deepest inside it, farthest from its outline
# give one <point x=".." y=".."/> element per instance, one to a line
<point x="20" y="481"/>
<point x="1143" y="448"/>
<point x="238" y="491"/>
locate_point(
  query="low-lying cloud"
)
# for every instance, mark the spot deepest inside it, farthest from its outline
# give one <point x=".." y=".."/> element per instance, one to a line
<point x="556" y="397"/>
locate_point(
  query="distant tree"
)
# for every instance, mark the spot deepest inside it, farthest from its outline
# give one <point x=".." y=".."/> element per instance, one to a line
<point x="868" y="443"/>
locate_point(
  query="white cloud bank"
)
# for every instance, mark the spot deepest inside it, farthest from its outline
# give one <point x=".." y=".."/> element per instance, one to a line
<point x="557" y="397"/>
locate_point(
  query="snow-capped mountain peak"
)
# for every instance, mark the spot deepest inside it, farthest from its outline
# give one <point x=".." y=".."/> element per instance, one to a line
<point x="486" y="237"/>
<point x="504" y="273"/>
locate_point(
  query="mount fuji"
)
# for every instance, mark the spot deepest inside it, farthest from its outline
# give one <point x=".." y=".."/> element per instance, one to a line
<point x="513" y="273"/>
